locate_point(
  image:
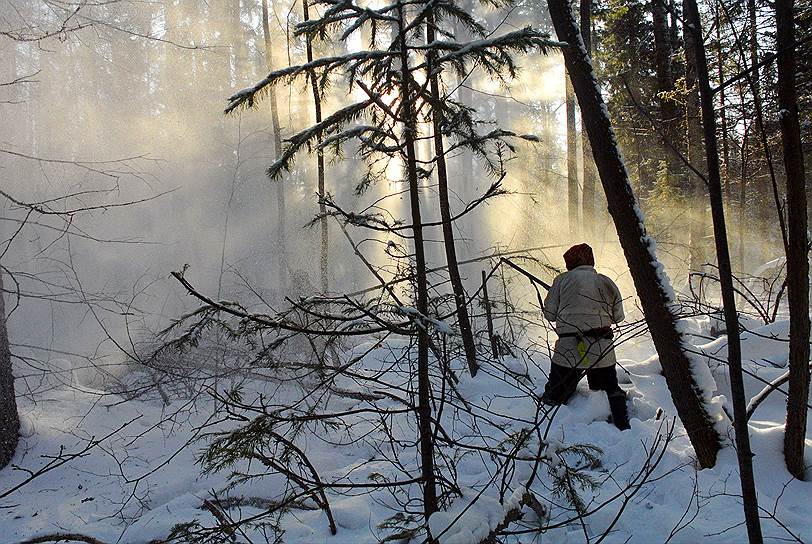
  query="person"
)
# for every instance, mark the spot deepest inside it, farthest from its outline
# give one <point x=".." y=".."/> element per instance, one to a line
<point x="583" y="305"/>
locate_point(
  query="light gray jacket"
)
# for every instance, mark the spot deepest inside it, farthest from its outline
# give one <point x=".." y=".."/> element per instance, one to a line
<point x="580" y="300"/>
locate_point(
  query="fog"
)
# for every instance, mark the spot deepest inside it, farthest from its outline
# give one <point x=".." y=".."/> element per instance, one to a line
<point x="124" y="120"/>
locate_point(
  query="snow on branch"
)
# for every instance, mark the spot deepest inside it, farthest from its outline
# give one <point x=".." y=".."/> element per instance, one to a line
<point x="494" y="55"/>
<point x="352" y="62"/>
<point x="332" y="123"/>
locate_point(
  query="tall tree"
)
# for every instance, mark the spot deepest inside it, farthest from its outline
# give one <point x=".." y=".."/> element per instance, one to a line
<point x="324" y="262"/>
<point x="694" y="192"/>
<point x="445" y="207"/>
<point x="720" y="75"/>
<point x="744" y="454"/>
<point x="572" y="159"/>
<point x="655" y="295"/>
<point x="423" y="380"/>
<point x="665" y="88"/>
<point x="798" y="246"/>
<point x="9" y="419"/>
<point x="588" y="187"/>
<point x="281" y="229"/>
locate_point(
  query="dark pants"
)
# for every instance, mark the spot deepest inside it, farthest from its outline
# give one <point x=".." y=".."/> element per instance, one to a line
<point x="563" y="382"/>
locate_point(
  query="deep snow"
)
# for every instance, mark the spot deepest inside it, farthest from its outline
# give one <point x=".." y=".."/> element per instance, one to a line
<point x="143" y="479"/>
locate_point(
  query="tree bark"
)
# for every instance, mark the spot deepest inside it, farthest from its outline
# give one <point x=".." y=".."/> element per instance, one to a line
<point x="572" y="164"/>
<point x="694" y="191"/>
<point x="743" y="452"/>
<point x="324" y="262"/>
<point x="423" y="381"/>
<point x="655" y="297"/>
<point x="720" y="59"/>
<point x="665" y="84"/>
<point x="798" y="244"/>
<point x="755" y="78"/>
<point x="9" y="419"/>
<point x="445" y="209"/>
<point x="281" y="232"/>
<point x="588" y="189"/>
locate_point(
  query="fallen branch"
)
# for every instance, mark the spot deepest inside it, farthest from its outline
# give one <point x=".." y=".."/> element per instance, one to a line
<point x="764" y="393"/>
<point x="63" y="537"/>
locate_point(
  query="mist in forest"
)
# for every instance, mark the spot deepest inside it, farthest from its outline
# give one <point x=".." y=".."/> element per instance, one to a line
<point x="127" y="118"/>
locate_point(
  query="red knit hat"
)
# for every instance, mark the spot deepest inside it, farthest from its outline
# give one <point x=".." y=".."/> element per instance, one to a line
<point x="579" y="255"/>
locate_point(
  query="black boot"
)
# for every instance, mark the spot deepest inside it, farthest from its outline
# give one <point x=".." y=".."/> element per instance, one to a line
<point x="620" y="413"/>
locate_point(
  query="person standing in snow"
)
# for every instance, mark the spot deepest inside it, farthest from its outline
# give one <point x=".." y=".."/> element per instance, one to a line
<point x="584" y="305"/>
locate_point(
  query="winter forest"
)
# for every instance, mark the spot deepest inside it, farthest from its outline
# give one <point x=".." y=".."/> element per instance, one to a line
<point x="405" y="271"/>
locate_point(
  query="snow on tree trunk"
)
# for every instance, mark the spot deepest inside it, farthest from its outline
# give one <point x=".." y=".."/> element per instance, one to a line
<point x="798" y="244"/>
<point x="9" y="420"/>
<point x="689" y="380"/>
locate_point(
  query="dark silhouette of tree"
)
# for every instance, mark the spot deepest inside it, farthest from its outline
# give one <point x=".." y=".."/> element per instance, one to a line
<point x="655" y="297"/>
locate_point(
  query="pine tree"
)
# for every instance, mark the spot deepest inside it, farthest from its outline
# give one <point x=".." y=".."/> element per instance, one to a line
<point x="386" y="128"/>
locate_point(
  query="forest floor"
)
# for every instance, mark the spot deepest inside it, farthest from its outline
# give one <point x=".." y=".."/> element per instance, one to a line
<point x="142" y="479"/>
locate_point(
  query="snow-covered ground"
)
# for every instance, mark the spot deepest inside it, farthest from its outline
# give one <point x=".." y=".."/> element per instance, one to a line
<point x="143" y="479"/>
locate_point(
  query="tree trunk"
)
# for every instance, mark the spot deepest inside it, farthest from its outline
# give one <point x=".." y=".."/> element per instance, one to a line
<point x="720" y="59"/>
<point x="324" y="262"/>
<point x="281" y="231"/>
<point x="665" y="84"/>
<point x="798" y="246"/>
<point x="423" y="381"/>
<point x="755" y="79"/>
<point x="743" y="174"/>
<point x="743" y="452"/>
<point x="588" y="189"/>
<point x="572" y="164"/>
<point x="445" y="210"/>
<point x="9" y="419"/>
<point x="694" y="190"/>
<point x="655" y="296"/>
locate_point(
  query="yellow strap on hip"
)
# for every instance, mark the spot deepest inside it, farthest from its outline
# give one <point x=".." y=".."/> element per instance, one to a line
<point x="582" y="360"/>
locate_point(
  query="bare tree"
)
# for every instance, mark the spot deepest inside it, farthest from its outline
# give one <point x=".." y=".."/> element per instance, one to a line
<point x="324" y="263"/>
<point x="281" y="212"/>
<point x="588" y="193"/>
<point x="744" y="454"/>
<point x="445" y="208"/>
<point x="798" y="243"/>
